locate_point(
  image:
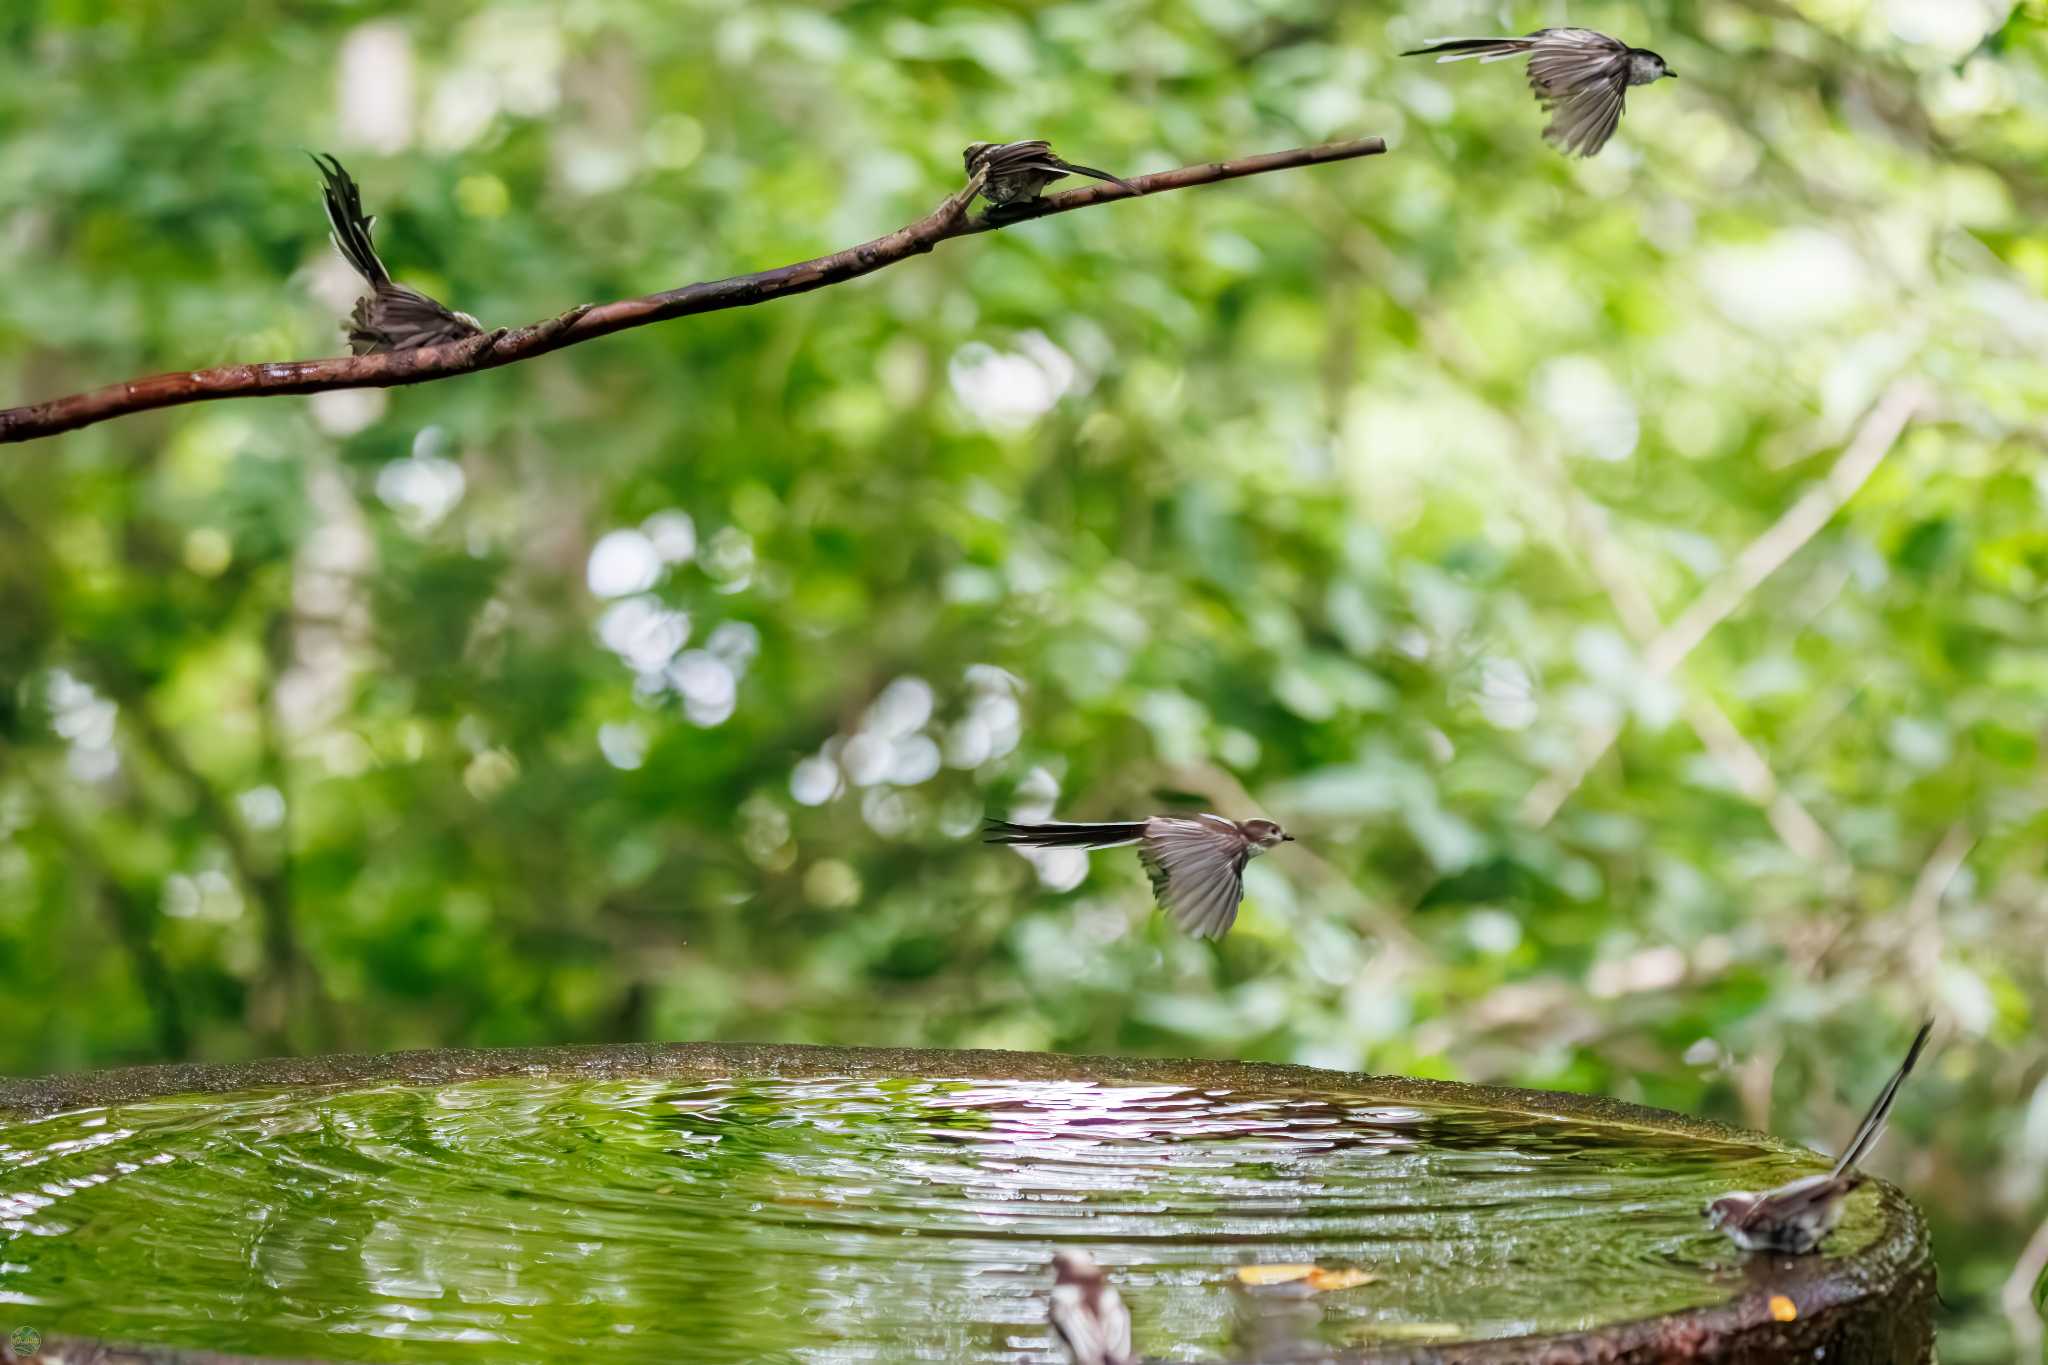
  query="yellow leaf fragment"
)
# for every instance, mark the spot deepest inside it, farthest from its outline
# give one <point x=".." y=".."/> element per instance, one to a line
<point x="1323" y="1281"/>
<point x="1273" y="1274"/>
<point x="1783" y="1309"/>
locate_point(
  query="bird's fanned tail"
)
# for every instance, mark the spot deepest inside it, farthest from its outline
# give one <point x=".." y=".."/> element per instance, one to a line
<point x="345" y="215"/>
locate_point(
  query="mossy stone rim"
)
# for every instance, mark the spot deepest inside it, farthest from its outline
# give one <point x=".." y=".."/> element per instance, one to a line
<point x="1874" y="1306"/>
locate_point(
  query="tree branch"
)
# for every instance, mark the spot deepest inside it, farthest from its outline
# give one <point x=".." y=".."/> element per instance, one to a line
<point x="1762" y="557"/>
<point x="1744" y="764"/>
<point x="506" y="347"/>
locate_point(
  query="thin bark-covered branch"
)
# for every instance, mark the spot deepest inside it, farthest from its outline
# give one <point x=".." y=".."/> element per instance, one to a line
<point x="1801" y="522"/>
<point x="506" y="347"/>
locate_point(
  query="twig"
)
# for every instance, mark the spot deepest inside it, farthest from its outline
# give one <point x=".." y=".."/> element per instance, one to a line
<point x="506" y="347"/>
<point x="1758" y="560"/>
<point x="1741" y="760"/>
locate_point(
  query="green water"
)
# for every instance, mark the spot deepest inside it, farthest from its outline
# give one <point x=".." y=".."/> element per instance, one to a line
<point x="836" y="1220"/>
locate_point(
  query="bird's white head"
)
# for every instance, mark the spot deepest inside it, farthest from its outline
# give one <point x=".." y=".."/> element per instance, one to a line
<point x="1731" y="1205"/>
<point x="1645" y="66"/>
<point x="1264" y="834"/>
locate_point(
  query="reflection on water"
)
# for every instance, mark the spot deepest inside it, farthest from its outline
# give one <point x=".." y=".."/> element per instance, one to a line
<point x="836" y="1220"/>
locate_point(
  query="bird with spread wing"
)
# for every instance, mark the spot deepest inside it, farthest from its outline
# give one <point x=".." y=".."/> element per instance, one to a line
<point x="1581" y="78"/>
<point x="1196" y="862"/>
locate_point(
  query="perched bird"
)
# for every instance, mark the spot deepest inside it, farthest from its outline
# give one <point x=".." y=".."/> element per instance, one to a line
<point x="1797" y="1217"/>
<point x="1196" y="862"/>
<point x="1018" y="172"/>
<point x="1581" y="78"/>
<point x="390" y="317"/>
<point x="1088" y="1315"/>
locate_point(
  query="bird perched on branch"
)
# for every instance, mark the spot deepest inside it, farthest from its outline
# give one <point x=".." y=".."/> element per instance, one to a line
<point x="1581" y="78"/>
<point x="1018" y="172"/>
<point x="1088" y="1315"/>
<point x="391" y="317"/>
<point x="1196" y="862"/>
<point x="1797" y="1217"/>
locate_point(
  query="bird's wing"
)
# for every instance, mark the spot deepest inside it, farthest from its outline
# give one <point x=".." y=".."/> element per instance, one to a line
<point x="1582" y="123"/>
<point x="395" y="317"/>
<point x="1872" y="1127"/>
<point x="1581" y="77"/>
<point x="1197" y="871"/>
<point x="1563" y="59"/>
<point x="1034" y="154"/>
<point x="1797" y="1200"/>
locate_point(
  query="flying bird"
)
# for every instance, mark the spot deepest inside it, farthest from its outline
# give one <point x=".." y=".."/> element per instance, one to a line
<point x="1796" y="1218"/>
<point x="1196" y="862"/>
<point x="1581" y="78"/>
<point x="1088" y="1315"/>
<point x="391" y="317"/>
<point x="1018" y="172"/>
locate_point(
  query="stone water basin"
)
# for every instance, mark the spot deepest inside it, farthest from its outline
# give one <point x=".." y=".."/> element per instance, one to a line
<point x="775" y="1205"/>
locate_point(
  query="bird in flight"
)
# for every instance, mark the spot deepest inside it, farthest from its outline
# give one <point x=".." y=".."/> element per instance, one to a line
<point x="1797" y="1217"/>
<point x="1581" y="78"/>
<point x="391" y="317"/>
<point x="1196" y="862"/>
<point x="1088" y="1315"/>
<point x="1018" y="172"/>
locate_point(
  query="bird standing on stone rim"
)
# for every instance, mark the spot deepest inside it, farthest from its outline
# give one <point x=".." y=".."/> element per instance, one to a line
<point x="1797" y="1218"/>
<point x="1196" y="862"/>
<point x="1581" y="78"/>
<point x="391" y="317"/>
<point x="1088" y="1315"/>
<point x="1018" y="172"/>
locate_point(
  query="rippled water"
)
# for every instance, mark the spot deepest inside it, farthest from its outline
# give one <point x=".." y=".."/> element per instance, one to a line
<point x="836" y="1220"/>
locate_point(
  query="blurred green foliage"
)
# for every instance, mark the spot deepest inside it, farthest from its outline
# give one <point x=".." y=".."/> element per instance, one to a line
<point x="1347" y="494"/>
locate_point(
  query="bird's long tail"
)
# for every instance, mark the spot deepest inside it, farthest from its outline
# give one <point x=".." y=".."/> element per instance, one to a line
<point x="1062" y="836"/>
<point x="1873" y="1122"/>
<point x="1092" y="173"/>
<point x="345" y="216"/>
<point x="1485" y="49"/>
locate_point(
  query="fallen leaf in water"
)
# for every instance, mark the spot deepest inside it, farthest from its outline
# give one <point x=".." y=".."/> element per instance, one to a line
<point x="1323" y="1281"/>
<point x="1783" y="1309"/>
<point x="1313" y="1278"/>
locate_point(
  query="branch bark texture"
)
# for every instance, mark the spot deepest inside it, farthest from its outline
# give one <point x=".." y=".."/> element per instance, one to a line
<point x="506" y="347"/>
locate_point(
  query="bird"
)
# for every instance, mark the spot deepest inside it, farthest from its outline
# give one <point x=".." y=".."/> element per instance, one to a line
<point x="1581" y="78"/>
<point x="1196" y="862"/>
<point x="1796" y="1218"/>
<point x="1088" y="1315"/>
<point x="391" y="317"/>
<point x="1018" y="172"/>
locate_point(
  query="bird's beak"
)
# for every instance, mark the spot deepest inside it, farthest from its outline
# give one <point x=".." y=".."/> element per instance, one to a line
<point x="1672" y="74"/>
<point x="1287" y="838"/>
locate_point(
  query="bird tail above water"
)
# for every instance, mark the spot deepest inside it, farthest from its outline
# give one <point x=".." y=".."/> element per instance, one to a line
<point x="1058" y="835"/>
<point x="1872" y="1127"/>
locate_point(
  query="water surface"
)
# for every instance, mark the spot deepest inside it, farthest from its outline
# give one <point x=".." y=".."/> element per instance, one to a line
<point x="830" y="1220"/>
